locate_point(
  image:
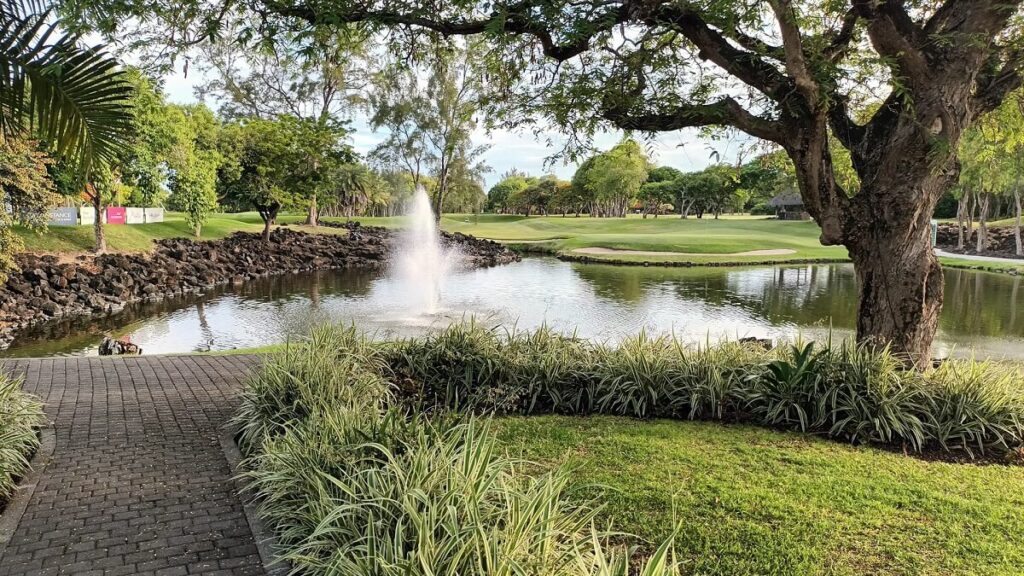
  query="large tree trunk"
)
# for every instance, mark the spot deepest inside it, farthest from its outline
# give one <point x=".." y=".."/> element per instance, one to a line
<point x="900" y="291"/>
<point x="886" y="227"/>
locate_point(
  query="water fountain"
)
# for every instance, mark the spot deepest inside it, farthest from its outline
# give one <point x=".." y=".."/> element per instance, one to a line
<point x="420" y="261"/>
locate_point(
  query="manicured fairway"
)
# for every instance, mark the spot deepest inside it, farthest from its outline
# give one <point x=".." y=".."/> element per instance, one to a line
<point x="754" y="501"/>
<point x="698" y="241"/>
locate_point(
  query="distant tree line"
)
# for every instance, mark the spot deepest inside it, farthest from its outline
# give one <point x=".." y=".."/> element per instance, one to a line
<point x="621" y="180"/>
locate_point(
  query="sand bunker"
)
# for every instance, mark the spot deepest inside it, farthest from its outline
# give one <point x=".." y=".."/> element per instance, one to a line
<point x="616" y="251"/>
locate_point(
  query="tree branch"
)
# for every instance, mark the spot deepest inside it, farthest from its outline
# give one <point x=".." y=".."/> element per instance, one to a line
<point x="724" y="112"/>
<point x="796" y="65"/>
<point x="840" y="44"/>
<point x="994" y="87"/>
<point x="515" y="19"/>
<point x="746" y="66"/>
<point x="849" y="133"/>
<point x="895" y="35"/>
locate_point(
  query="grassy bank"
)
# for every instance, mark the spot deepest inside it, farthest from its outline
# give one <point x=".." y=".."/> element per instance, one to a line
<point x="667" y="239"/>
<point x="140" y="237"/>
<point x="754" y="501"/>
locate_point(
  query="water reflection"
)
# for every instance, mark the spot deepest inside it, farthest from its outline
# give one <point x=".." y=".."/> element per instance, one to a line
<point x="602" y="302"/>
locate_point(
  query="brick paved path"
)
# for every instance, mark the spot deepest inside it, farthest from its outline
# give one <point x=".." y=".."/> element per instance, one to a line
<point x="138" y="483"/>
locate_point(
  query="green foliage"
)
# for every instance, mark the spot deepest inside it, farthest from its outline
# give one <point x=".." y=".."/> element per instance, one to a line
<point x="615" y="177"/>
<point x="499" y="195"/>
<point x="354" y="486"/>
<point x="195" y="189"/>
<point x="73" y="97"/>
<point x="20" y="417"/>
<point x="846" y="392"/>
<point x="194" y="160"/>
<point x="259" y="163"/>
<point x="430" y="123"/>
<point x="26" y="187"/>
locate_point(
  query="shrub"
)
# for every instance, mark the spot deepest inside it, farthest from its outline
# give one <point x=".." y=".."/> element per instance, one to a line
<point x="453" y="365"/>
<point x="976" y="405"/>
<point x="352" y="486"/>
<point x="870" y="397"/>
<point x="20" y="417"/>
<point x="335" y="366"/>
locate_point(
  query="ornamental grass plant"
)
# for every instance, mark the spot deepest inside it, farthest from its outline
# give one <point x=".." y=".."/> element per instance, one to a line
<point x="21" y="415"/>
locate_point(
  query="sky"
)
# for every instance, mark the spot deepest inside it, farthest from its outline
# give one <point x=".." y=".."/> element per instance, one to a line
<point x="522" y="150"/>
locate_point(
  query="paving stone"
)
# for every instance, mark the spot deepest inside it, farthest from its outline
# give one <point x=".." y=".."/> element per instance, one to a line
<point x="138" y="480"/>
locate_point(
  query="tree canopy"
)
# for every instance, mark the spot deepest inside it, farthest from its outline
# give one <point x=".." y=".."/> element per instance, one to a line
<point x="895" y="83"/>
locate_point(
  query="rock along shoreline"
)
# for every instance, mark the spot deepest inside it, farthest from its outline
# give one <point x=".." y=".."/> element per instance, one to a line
<point x="47" y="288"/>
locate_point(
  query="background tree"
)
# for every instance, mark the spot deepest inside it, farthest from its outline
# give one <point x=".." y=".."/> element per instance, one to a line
<point x="259" y="158"/>
<point x="27" y="190"/>
<point x="143" y="164"/>
<point x="615" y="177"/>
<point x="653" y="195"/>
<point x="193" y="161"/>
<point x="992" y="158"/>
<point x="431" y="122"/>
<point x="320" y="79"/>
<point x="499" y="194"/>
<point x="352" y="188"/>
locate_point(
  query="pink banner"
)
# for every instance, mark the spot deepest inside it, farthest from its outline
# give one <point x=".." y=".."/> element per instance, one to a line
<point x="116" y="215"/>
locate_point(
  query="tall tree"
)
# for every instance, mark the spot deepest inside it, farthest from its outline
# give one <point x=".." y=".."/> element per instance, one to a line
<point x="499" y="194"/>
<point x="193" y="161"/>
<point x="431" y="122"/>
<point x="259" y="159"/>
<point x="318" y="78"/>
<point x="789" y="72"/>
<point x="27" y="190"/>
<point x="616" y="176"/>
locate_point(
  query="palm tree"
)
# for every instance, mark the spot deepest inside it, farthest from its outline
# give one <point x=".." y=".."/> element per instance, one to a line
<point x="73" y="97"/>
<point x="352" y="188"/>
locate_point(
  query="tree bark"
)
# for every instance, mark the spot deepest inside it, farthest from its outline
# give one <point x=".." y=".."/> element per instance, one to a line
<point x="100" y="245"/>
<point x="900" y="289"/>
<point x="983" y="200"/>
<point x="1016" y="221"/>
<point x="269" y="215"/>
<point x="313" y="217"/>
<point x="972" y="210"/>
<point x="961" y="216"/>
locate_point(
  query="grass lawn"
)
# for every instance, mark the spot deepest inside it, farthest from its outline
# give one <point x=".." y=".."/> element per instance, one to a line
<point x="699" y="241"/>
<point x="755" y="501"/>
<point x="982" y="265"/>
<point x="704" y="240"/>
<point x="140" y="237"/>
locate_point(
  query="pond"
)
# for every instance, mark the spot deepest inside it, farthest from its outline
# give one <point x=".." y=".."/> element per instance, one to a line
<point x="984" y="313"/>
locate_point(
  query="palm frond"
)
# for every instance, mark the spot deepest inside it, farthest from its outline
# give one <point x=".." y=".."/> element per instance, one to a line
<point x="74" y="97"/>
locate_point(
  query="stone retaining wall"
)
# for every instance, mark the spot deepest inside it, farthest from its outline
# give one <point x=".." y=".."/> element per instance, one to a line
<point x="47" y="288"/>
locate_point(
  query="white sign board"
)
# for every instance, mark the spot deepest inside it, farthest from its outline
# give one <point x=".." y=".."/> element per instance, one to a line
<point x="88" y="215"/>
<point x="64" y="217"/>
<point x="153" y="215"/>
<point x="134" y="216"/>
